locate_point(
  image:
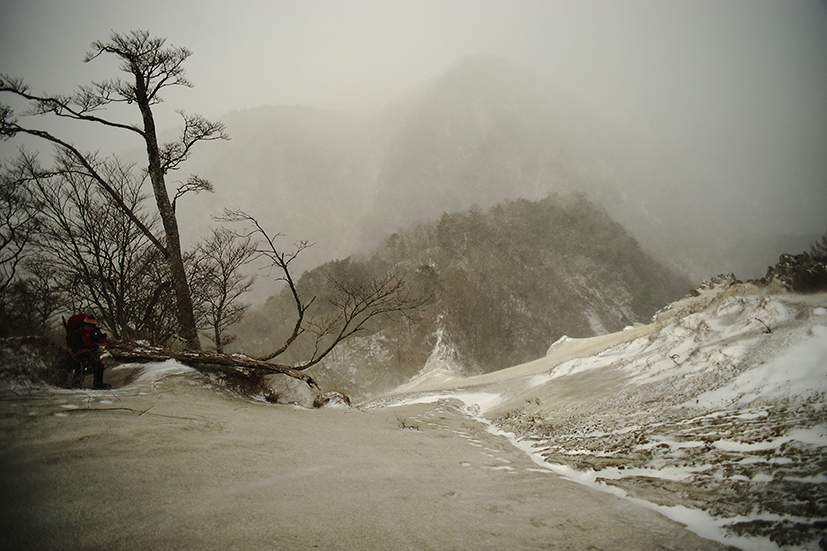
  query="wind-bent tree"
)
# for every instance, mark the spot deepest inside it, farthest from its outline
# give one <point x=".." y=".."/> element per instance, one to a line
<point x="151" y="67"/>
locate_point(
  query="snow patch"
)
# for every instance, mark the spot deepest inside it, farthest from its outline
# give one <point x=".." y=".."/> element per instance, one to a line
<point x="475" y="404"/>
<point x="154" y="371"/>
<point x="725" y="394"/>
<point x="558" y="344"/>
<point x="799" y="371"/>
<point x="440" y="368"/>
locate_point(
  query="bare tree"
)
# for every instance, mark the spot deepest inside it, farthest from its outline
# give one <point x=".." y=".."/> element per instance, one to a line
<point x="31" y="300"/>
<point x="353" y="304"/>
<point x="218" y="283"/>
<point x="17" y="220"/>
<point x="151" y="67"/>
<point x="101" y="259"/>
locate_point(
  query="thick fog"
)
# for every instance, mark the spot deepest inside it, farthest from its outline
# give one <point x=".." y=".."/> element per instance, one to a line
<point x="721" y="107"/>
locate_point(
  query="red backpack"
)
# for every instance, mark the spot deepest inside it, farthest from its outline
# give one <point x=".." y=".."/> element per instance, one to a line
<point x="73" y="324"/>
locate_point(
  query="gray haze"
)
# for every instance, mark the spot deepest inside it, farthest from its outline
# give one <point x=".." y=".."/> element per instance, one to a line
<point x="719" y="108"/>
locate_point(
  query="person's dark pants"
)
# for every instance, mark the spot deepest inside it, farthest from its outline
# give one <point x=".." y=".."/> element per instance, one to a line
<point x="88" y="361"/>
<point x="97" y="381"/>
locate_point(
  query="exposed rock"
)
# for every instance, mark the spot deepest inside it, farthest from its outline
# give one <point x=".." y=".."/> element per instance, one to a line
<point x="288" y="390"/>
<point x="331" y="398"/>
<point x="800" y="273"/>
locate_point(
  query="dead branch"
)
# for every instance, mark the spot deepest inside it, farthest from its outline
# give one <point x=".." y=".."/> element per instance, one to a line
<point x="281" y="261"/>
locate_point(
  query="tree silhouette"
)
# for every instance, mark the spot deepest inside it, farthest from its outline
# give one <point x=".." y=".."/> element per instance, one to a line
<point x="151" y="67"/>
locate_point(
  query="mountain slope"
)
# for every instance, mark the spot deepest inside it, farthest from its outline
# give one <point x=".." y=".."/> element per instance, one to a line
<point x="504" y="283"/>
<point x="715" y="413"/>
<point x="485" y="131"/>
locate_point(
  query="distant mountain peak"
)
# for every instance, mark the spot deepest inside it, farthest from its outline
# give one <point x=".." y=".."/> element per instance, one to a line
<point x="490" y="75"/>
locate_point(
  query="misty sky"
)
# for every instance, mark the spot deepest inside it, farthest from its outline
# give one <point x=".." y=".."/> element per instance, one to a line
<point x="743" y="84"/>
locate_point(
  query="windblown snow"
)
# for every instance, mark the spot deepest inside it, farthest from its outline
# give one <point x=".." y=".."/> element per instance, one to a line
<point x="714" y="414"/>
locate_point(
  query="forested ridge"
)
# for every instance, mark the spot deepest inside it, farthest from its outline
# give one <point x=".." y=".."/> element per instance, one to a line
<point x="504" y="283"/>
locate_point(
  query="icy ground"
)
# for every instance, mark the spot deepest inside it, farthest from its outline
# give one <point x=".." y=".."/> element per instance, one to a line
<point x="714" y="414"/>
<point x="169" y="460"/>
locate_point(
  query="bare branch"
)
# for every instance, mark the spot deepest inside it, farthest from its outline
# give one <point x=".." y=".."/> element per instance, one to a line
<point x="78" y="106"/>
<point x="195" y="184"/>
<point x="146" y="57"/>
<point x="356" y="302"/>
<point x="73" y="156"/>
<point x="17" y="221"/>
<point x="196" y="129"/>
<point x="217" y="283"/>
<point x="281" y="261"/>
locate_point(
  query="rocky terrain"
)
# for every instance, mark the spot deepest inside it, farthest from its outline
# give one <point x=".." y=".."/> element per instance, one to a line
<point x="715" y="413"/>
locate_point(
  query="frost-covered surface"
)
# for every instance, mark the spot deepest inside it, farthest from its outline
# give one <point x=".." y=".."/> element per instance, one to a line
<point x="168" y="458"/>
<point x="714" y="414"/>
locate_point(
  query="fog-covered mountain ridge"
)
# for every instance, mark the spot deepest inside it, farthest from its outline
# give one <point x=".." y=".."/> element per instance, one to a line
<point x="502" y="284"/>
<point x="482" y="132"/>
<point x="321" y="174"/>
<point x="485" y="131"/>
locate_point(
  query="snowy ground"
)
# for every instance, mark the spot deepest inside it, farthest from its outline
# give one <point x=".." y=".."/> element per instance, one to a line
<point x="714" y="414"/>
<point x="166" y="461"/>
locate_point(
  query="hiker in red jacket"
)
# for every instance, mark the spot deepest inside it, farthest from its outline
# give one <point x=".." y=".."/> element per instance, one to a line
<point x="85" y="339"/>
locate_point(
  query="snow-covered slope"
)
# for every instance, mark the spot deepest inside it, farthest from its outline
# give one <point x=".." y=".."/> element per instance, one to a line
<point x="714" y="413"/>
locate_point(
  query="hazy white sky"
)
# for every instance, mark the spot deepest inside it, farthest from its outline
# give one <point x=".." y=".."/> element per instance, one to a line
<point x="742" y="79"/>
<point x="627" y="57"/>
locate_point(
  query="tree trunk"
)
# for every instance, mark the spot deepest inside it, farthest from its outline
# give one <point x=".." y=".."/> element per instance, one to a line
<point x="186" y="316"/>
<point x="219" y="346"/>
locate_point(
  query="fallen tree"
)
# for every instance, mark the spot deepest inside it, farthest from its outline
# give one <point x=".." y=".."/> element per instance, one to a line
<point x="131" y="351"/>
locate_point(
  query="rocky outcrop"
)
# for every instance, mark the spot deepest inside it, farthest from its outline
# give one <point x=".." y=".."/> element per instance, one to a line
<point x="797" y="273"/>
<point x="800" y="273"/>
